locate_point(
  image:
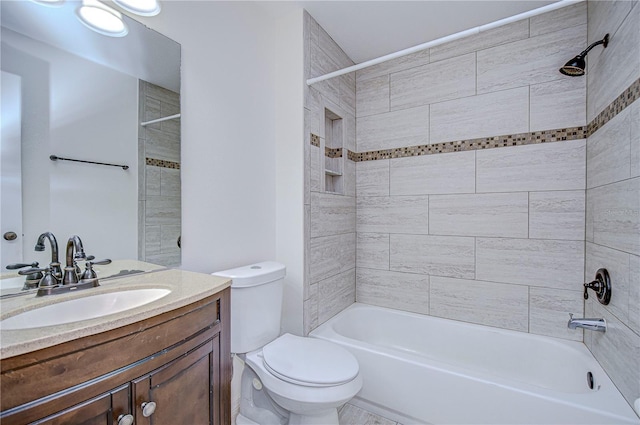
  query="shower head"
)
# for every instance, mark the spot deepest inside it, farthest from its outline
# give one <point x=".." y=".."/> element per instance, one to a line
<point x="576" y="66"/>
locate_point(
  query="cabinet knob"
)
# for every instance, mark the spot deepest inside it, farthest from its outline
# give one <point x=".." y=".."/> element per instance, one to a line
<point x="125" y="420"/>
<point x="148" y="408"/>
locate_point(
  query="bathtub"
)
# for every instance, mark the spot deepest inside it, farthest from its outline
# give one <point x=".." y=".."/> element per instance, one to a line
<point x="423" y="369"/>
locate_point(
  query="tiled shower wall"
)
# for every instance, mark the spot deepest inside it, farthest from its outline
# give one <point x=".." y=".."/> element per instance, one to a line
<point x="159" y="212"/>
<point x="330" y="218"/>
<point x="613" y="189"/>
<point x="491" y="234"/>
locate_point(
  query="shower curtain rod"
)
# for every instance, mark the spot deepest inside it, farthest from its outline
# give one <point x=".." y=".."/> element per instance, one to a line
<point x="472" y="31"/>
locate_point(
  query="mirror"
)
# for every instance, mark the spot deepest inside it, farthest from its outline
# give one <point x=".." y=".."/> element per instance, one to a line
<point x="71" y="93"/>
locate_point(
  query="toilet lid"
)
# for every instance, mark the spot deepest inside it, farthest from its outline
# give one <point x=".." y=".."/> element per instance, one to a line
<point x="309" y="361"/>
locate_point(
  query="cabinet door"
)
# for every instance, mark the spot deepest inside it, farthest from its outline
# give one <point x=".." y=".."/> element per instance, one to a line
<point x="184" y="391"/>
<point x="101" y="410"/>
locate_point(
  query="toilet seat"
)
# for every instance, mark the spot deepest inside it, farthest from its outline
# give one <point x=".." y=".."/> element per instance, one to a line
<point x="306" y="394"/>
<point x="309" y="362"/>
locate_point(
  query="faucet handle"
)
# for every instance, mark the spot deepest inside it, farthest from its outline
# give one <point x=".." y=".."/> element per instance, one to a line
<point x="89" y="273"/>
<point x="17" y="266"/>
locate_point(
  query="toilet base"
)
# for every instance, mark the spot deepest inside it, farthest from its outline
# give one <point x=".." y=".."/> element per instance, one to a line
<point x="330" y="417"/>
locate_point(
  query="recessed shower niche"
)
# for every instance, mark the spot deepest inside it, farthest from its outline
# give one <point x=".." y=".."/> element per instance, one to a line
<point x="333" y="157"/>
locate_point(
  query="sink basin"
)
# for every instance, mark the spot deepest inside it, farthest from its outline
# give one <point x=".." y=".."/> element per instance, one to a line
<point x="81" y="309"/>
<point x="12" y="283"/>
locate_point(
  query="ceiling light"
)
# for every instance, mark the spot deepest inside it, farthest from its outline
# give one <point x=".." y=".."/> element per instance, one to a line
<point x="101" y="18"/>
<point x="140" y="7"/>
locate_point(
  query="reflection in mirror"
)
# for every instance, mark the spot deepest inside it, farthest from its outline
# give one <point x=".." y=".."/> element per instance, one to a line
<point x="73" y="93"/>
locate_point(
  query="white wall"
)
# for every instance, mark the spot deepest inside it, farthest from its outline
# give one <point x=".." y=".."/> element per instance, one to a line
<point x="289" y="58"/>
<point x="237" y="180"/>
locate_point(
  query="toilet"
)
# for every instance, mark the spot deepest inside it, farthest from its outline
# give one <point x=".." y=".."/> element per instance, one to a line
<point x="287" y="379"/>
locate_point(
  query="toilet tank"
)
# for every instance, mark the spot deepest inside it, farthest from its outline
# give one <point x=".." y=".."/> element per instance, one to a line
<point x="256" y="304"/>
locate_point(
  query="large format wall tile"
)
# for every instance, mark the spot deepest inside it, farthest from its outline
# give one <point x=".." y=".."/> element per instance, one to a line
<point x="393" y="214"/>
<point x="557" y="215"/>
<point x="499" y="214"/>
<point x="162" y="210"/>
<point x="434" y="82"/>
<point x="604" y="17"/>
<point x="316" y="168"/>
<point x="452" y="256"/>
<point x="433" y="174"/>
<point x="335" y="294"/>
<point x="549" y="312"/>
<point x="547" y="263"/>
<point x="404" y="291"/>
<point x="558" y="104"/>
<point x="408" y="127"/>
<point x="332" y="214"/>
<point x="617" y="350"/>
<point x="321" y="63"/>
<point x="565" y="17"/>
<point x="373" y="251"/>
<point x="634" y="111"/>
<point x="372" y="96"/>
<point x="530" y="61"/>
<point x="634" y="293"/>
<point x="161" y="145"/>
<point x="617" y="264"/>
<point x="608" y="151"/>
<point x="332" y="49"/>
<point x="170" y="184"/>
<point x="504" y="34"/>
<point x="553" y="166"/>
<point x="348" y="92"/>
<point x="490" y="114"/>
<point x="613" y="69"/>
<point x="486" y="303"/>
<point x="398" y="64"/>
<point x="331" y="255"/>
<point x="613" y="217"/>
<point x="372" y="178"/>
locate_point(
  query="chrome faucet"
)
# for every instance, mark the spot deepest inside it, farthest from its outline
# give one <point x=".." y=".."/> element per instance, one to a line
<point x="70" y="275"/>
<point x="56" y="270"/>
<point x="599" y="325"/>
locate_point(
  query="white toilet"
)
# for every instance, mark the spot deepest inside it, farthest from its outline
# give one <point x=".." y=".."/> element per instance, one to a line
<point x="306" y="379"/>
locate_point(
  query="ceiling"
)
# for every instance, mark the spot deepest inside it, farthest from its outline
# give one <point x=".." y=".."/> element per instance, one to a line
<point x="370" y="29"/>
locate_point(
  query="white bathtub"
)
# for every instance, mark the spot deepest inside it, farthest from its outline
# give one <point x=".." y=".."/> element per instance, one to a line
<point x="422" y="369"/>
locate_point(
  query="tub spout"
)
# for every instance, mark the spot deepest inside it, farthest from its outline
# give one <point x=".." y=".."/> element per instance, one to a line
<point x="594" y="324"/>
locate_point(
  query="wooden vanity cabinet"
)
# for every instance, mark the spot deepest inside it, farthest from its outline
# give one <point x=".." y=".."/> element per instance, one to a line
<point x="179" y="360"/>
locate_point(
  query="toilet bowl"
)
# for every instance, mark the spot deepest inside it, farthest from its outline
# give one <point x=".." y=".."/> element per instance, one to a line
<point x="306" y="378"/>
<point x="310" y="378"/>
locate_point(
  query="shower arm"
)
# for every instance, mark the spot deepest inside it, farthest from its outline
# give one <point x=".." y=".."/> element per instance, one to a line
<point x="604" y="41"/>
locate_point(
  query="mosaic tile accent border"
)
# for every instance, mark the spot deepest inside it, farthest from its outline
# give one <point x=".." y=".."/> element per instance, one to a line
<point x="630" y="95"/>
<point x="315" y="140"/>
<point x="333" y="152"/>
<point x="536" y="137"/>
<point x="162" y="163"/>
<point x="352" y="156"/>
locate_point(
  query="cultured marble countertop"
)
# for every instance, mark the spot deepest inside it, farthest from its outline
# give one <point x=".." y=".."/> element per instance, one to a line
<point x="186" y="288"/>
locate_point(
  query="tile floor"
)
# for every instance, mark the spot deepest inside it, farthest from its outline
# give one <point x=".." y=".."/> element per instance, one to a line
<point x="352" y="415"/>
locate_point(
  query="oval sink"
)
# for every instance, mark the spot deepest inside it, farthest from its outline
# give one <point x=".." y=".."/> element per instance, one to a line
<point x="81" y="309"/>
<point x="12" y="283"/>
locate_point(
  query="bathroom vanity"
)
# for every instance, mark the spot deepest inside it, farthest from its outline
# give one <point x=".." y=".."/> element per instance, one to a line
<point x="165" y="362"/>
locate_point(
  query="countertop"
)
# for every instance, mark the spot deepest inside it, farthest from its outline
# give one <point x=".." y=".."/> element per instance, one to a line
<point x="186" y="288"/>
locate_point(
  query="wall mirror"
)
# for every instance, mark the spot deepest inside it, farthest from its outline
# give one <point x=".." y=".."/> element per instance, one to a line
<point x="73" y="93"/>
